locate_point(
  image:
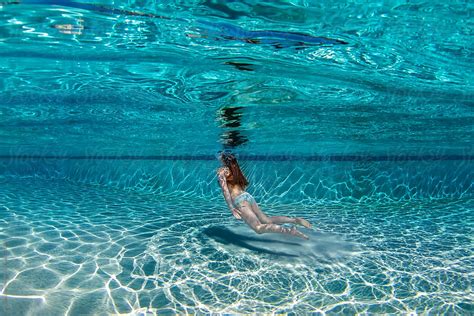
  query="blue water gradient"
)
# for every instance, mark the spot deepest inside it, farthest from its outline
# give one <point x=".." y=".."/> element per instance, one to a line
<point x="356" y="116"/>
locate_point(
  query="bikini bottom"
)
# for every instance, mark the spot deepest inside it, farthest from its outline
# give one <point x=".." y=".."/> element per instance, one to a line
<point x="244" y="196"/>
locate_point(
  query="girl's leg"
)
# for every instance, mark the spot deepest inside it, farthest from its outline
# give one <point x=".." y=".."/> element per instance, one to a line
<point x="262" y="217"/>
<point x="253" y="221"/>
<point x="274" y="228"/>
<point x="278" y="219"/>
<point x="282" y="220"/>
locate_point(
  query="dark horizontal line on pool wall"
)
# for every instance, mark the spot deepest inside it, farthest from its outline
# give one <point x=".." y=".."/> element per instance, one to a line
<point x="247" y="157"/>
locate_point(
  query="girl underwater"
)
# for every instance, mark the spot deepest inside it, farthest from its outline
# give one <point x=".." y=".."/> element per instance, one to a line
<point x="243" y="206"/>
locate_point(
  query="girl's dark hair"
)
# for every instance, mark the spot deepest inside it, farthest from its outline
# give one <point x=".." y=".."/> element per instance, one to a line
<point x="230" y="162"/>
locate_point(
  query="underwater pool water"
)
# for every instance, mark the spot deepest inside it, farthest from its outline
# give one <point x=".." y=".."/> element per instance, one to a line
<point x="115" y="237"/>
<point x="98" y="251"/>
<point x="355" y="116"/>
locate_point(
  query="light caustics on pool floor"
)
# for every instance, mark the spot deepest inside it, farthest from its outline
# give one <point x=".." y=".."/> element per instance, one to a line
<point x="78" y="249"/>
<point x="102" y="103"/>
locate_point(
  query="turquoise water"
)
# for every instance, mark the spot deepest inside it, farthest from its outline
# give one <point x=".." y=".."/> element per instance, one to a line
<point x="356" y="116"/>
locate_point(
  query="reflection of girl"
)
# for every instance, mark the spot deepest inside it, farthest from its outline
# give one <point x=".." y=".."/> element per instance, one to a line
<point x="278" y="39"/>
<point x="243" y="205"/>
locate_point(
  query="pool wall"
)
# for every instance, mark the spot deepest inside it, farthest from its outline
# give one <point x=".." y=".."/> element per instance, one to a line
<point x="271" y="181"/>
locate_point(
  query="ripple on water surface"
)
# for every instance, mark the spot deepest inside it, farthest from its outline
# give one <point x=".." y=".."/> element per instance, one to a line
<point x="92" y="250"/>
<point x="106" y="77"/>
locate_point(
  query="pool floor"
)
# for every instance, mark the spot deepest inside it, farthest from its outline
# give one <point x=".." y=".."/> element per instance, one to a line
<point x="72" y="248"/>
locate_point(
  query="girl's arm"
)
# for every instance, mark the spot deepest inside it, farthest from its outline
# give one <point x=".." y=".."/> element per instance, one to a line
<point x="221" y="173"/>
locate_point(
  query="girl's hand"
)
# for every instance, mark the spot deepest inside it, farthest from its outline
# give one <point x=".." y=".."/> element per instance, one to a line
<point x="236" y="213"/>
<point x="223" y="171"/>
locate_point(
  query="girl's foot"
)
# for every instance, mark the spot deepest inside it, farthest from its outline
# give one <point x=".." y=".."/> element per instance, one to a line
<point x="303" y="222"/>
<point x="297" y="233"/>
